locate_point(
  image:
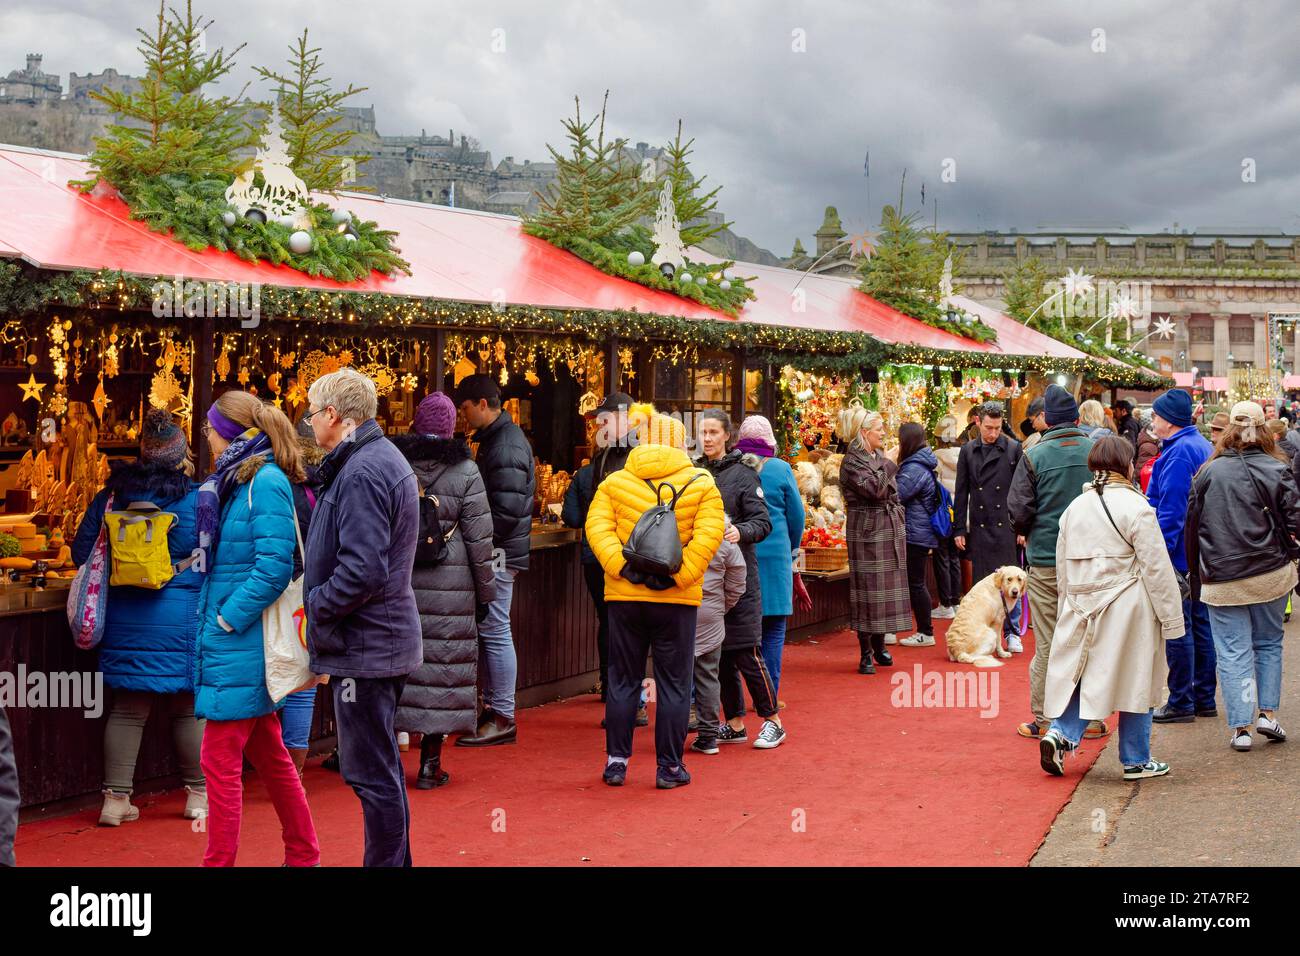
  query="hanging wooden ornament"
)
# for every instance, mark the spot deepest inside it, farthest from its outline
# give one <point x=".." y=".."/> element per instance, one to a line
<point x="101" y="399"/>
<point x="31" y="388"/>
<point x="223" y="365"/>
<point x="164" y="390"/>
<point x="463" y="369"/>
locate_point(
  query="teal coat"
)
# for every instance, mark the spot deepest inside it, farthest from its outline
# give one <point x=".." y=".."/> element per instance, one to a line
<point x="775" y="561"/>
<point x="251" y="568"/>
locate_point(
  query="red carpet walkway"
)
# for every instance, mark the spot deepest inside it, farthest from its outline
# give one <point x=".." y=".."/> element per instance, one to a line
<point x="864" y="778"/>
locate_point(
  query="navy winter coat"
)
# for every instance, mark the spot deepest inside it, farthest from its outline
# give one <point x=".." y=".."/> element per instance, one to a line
<point x="361" y="614"/>
<point x="149" y="636"/>
<point x="918" y="491"/>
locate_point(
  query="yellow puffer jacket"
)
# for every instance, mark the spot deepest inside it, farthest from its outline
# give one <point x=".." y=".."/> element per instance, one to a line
<point x="624" y="496"/>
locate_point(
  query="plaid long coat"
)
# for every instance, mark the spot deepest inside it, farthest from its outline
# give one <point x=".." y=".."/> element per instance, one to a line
<point x="877" y="544"/>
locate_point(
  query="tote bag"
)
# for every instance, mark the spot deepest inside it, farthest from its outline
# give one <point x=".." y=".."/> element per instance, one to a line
<point x="88" y="594"/>
<point x="284" y="632"/>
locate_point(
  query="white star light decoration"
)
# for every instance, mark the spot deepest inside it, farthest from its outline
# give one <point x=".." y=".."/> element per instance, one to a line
<point x="1126" y="308"/>
<point x="1164" y="328"/>
<point x="1076" y="283"/>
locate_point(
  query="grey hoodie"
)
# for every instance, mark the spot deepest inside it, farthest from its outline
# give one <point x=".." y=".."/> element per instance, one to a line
<point x="724" y="585"/>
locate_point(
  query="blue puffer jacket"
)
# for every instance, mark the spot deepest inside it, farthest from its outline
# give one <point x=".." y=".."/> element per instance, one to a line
<point x="251" y="569"/>
<point x="149" y="636"/>
<point x="917" y="490"/>
<point x="775" y="552"/>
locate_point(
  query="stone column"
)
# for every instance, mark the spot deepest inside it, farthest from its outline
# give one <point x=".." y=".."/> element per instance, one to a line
<point x="1222" y="346"/>
<point x="1263" y="347"/>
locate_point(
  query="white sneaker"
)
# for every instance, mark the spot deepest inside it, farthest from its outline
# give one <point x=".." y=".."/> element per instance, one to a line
<point x="1241" y="740"/>
<point x="196" y="803"/>
<point x="1014" y="645"/>
<point x="1270" y="728"/>
<point x="770" y="736"/>
<point x="943" y="613"/>
<point x="918" y="640"/>
<point x="891" y="638"/>
<point x="117" y="810"/>
<point x="403" y="741"/>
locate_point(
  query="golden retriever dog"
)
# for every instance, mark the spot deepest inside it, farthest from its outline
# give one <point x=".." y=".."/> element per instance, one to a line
<point x="975" y="634"/>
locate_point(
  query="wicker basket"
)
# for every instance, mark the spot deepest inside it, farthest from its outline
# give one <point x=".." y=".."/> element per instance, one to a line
<point x="825" y="559"/>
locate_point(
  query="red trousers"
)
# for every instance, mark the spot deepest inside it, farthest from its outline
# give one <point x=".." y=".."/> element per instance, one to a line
<point x="225" y="742"/>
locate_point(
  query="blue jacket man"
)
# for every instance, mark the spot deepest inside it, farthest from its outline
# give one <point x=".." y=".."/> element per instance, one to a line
<point x="363" y="627"/>
<point x="1191" y="657"/>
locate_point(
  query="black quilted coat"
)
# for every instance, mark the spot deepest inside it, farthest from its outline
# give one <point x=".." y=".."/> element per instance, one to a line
<point x="440" y="696"/>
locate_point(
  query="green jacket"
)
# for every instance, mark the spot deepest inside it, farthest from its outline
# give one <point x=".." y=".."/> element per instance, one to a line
<point x="1050" y="475"/>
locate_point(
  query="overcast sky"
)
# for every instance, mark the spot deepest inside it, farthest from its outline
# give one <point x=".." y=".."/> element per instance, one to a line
<point x="786" y="98"/>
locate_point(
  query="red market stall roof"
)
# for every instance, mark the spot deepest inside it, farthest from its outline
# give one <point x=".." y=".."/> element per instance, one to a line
<point x="455" y="254"/>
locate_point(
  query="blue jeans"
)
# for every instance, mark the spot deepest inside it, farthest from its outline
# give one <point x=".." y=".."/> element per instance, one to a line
<point x="496" y="650"/>
<point x="1016" y="616"/>
<point x="773" y="646"/>
<point x="1248" y="640"/>
<point x="1134" y="732"/>
<point x="295" y="718"/>
<point x="1191" y="662"/>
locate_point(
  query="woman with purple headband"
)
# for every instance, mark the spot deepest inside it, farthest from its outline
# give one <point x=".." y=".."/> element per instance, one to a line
<point x="248" y="545"/>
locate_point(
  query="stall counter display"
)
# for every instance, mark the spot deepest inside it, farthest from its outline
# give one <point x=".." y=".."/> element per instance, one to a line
<point x="824" y="545"/>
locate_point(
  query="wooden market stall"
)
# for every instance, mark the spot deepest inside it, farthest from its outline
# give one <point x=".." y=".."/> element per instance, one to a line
<point x="100" y="317"/>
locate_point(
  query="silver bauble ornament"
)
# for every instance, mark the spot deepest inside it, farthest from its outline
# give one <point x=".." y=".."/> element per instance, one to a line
<point x="724" y="284"/>
<point x="635" y="258"/>
<point x="300" y="242"/>
<point x="340" y="215"/>
<point x="686" y="277"/>
<point x="228" y="218"/>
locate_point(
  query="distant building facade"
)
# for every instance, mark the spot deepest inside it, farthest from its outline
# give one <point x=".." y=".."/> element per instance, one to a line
<point x="1218" y="286"/>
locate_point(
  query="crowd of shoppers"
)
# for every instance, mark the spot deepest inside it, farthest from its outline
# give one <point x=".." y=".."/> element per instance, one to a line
<point x="1185" y="582"/>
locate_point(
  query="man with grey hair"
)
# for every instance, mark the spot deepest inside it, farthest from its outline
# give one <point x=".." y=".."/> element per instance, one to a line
<point x="363" y="627"/>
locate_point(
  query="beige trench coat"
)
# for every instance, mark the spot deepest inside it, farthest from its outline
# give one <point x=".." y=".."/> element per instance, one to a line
<point x="1118" y="604"/>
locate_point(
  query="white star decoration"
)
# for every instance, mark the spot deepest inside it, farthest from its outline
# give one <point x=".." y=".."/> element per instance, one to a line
<point x="1124" y="308"/>
<point x="1076" y="283"/>
<point x="1164" y="328"/>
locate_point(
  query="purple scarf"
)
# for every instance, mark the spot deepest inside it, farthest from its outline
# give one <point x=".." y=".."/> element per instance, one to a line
<point x="755" y="446"/>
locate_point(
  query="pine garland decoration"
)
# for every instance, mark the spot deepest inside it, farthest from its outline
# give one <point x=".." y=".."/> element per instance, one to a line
<point x="905" y="269"/>
<point x="595" y="207"/>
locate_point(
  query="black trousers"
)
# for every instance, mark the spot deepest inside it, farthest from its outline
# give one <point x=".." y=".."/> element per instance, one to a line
<point x="947" y="572"/>
<point x="594" y="575"/>
<point x="667" y="630"/>
<point x="8" y="793"/>
<point x="747" y="663"/>
<point x="917" y="559"/>
<point x="364" y="708"/>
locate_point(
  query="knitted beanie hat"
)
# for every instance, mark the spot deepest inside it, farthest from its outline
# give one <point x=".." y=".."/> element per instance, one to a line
<point x="756" y="426"/>
<point x="435" y="416"/>
<point x="161" y="440"/>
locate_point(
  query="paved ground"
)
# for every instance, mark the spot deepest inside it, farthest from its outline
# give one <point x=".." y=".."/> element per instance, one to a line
<point x="1215" y="808"/>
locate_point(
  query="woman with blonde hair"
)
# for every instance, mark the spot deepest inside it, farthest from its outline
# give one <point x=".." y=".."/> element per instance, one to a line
<point x="247" y="542"/>
<point x="877" y="538"/>
<point x="1241" y="552"/>
<point x="1092" y="419"/>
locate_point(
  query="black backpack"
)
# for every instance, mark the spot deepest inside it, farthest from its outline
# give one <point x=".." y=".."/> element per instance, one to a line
<point x="431" y="546"/>
<point x="655" y="545"/>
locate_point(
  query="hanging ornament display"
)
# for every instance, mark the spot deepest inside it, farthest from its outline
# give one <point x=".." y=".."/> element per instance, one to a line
<point x="381" y="375"/>
<point x="463" y="369"/>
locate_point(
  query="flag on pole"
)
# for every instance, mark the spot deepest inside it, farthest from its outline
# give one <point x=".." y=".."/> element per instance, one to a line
<point x="866" y="165"/>
<point x="923" y="192"/>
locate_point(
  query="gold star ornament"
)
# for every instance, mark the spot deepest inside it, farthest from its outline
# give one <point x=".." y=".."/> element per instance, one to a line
<point x="31" y="388"/>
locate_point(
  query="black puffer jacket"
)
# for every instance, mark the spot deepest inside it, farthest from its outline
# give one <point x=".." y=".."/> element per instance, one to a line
<point x="1229" y="533"/>
<point x="736" y="475"/>
<point x="439" y="697"/>
<point x="577" y="500"/>
<point x="505" y="461"/>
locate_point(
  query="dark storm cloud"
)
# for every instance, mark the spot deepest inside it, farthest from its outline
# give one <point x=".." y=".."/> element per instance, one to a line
<point x="1042" y="128"/>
